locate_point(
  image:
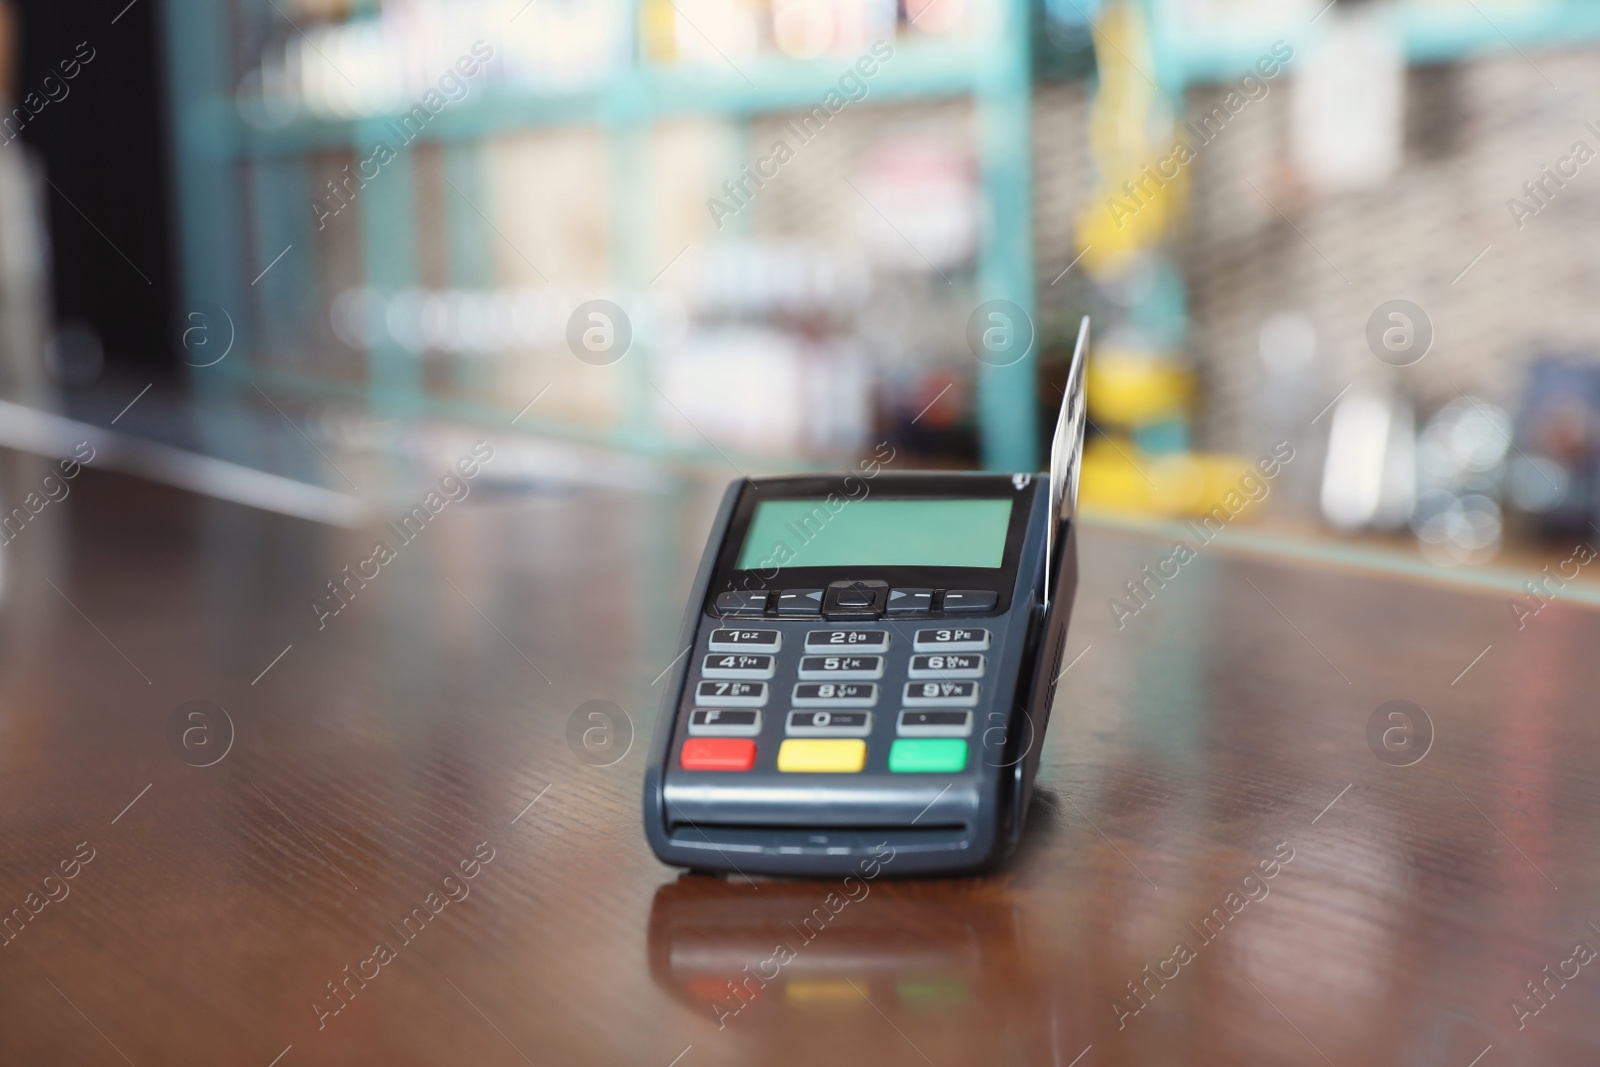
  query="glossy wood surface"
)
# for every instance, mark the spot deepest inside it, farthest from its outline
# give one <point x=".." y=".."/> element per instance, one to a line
<point x="1224" y="727"/>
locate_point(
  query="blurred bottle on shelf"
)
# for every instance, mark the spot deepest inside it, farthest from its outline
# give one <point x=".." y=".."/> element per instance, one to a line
<point x="1444" y="481"/>
<point x="807" y="29"/>
<point x="769" y="361"/>
<point x="1460" y="471"/>
<point x="1554" y="477"/>
<point x="1453" y="481"/>
<point x="713" y="33"/>
<point x="358" y="60"/>
<point x="918" y="208"/>
<point x="1369" y="477"/>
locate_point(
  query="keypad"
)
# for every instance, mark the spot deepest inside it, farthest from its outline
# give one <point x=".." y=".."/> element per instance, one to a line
<point x="940" y="694"/>
<point x="841" y="668"/>
<point x="948" y="639"/>
<point x="828" y="694"/>
<point x="737" y="665"/>
<point x="946" y="665"/>
<point x="829" y="724"/>
<point x="731" y="694"/>
<point x="739" y="640"/>
<point x="834" y="695"/>
<point x="725" y="722"/>
<point x="847" y="641"/>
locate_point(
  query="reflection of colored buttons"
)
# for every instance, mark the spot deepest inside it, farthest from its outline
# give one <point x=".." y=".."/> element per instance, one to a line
<point x="927" y="755"/>
<point x="841" y="756"/>
<point x="821" y="990"/>
<point x="709" y="989"/>
<point x="718" y="754"/>
<point x="932" y="992"/>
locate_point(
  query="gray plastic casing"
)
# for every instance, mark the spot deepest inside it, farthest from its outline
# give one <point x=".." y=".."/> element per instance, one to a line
<point x="829" y="824"/>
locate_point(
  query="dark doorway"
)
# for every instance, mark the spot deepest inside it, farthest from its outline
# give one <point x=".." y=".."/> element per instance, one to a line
<point x="101" y="136"/>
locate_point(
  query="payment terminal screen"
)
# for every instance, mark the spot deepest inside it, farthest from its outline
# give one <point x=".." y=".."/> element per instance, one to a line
<point x="866" y="533"/>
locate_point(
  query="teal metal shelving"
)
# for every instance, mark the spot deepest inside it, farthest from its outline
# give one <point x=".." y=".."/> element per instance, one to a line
<point x="919" y="71"/>
<point x="227" y="235"/>
<point x="1429" y="32"/>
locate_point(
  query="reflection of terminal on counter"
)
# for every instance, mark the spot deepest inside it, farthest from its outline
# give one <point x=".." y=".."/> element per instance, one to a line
<point x="879" y="948"/>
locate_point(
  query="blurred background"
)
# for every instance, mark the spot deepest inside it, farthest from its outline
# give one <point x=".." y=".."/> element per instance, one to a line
<point x="1338" y="256"/>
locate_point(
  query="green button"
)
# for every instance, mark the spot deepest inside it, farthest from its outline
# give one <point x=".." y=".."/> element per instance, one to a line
<point x="932" y="755"/>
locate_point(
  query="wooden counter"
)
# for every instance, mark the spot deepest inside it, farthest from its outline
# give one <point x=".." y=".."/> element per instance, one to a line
<point x="1208" y="782"/>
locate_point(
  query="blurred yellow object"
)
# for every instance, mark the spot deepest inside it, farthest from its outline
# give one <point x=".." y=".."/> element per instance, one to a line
<point x="1130" y="206"/>
<point x="658" y="27"/>
<point x="1112" y="226"/>
<point x="1131" y="388"/>
<point x="1116" y="478"/>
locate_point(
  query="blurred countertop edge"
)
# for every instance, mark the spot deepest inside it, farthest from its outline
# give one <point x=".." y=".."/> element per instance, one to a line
<point x="1368" y="554"/>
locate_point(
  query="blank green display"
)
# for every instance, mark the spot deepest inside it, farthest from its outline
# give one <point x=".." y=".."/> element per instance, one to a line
<point x="876" y="533"/>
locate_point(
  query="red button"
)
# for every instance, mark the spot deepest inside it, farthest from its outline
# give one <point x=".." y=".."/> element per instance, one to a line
<point x="718" y="754"/>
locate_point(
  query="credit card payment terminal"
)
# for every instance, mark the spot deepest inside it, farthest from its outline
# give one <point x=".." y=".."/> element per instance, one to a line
<point x="871" y="659"/>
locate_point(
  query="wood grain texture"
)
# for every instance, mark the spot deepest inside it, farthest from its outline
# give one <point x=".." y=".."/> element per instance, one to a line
<point x="411" y="732"/>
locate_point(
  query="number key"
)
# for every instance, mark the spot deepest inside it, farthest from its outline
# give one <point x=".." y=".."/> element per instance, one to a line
<point x="741" y="640"/>
<point x="731" y="694"/>
<point x="940" y="694"/>
<point x="847" y="641"/>
<point x="829" y="724"/>
<point x="946" y="665"/>
<point x="835" y="695"/>
<point x="736" y="665"/>
<point x="950" y="639"/>
<point x="841" y="667"/>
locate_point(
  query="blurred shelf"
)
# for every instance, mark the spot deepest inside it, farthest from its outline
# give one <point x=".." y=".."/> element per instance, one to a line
<point x="243" y="190"/>
<point x="731" y="462"/>
<point x="917" y="71"/>
<point x="1434" y="32"/>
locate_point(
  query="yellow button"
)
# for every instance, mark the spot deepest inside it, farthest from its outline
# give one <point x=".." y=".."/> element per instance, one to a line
<point x="840" y="756"/>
